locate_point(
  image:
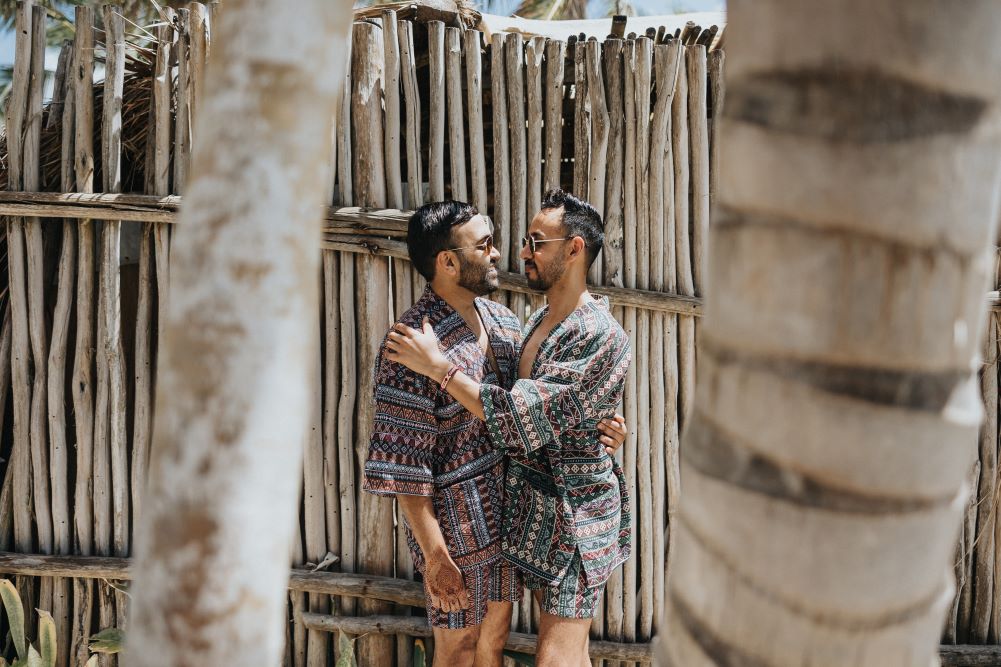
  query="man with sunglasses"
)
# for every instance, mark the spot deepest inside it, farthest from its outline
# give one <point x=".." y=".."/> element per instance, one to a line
<point x="435" y="456"/>
<point x="570" y="527"/>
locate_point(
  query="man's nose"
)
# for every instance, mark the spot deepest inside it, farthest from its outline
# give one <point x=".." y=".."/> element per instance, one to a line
<point x="525" y="253"/>
<point x="494" y="253"/>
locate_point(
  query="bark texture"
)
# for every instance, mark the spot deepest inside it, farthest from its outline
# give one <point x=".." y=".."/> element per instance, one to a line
<point x="836" y="412"/>
<point x="233" y="396"/>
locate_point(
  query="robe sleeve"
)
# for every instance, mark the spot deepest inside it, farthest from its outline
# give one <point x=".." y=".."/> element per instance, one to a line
<point x="404" y="433"/>
<point x="575" y="389"/>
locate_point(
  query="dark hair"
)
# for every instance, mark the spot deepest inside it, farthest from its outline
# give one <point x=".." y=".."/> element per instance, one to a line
<point x="430" y="232"/>
<point x="579" y="219"/>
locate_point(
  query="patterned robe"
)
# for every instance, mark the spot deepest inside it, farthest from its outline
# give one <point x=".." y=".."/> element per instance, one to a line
<point x="424" y="443"/>
<point x="566" y="493"/>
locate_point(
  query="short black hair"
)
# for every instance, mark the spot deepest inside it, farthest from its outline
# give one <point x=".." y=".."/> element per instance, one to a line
<point x="579" y="219"/>
<point x="430" y="232"/>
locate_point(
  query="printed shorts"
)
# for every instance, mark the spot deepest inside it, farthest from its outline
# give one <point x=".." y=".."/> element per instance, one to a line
<point x="497" y="582"/>
<point x="570" y="597"/>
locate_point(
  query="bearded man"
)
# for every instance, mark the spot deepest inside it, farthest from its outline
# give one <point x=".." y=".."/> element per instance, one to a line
<point x="571" y="525"/>
<point x="435" y="456"/>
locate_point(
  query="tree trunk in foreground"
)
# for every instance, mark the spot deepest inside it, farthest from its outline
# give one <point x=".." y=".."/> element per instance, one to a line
<point x="837" y="410"/>
<point x="232" y="392"/>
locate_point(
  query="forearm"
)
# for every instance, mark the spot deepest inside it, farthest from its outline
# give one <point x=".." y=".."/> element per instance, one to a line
<point x="466" y="390"/>
<point x="419" y="512"/>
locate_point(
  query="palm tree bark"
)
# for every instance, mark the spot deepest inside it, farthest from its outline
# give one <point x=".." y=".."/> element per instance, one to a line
<point x="233" y="396"/>
<point x="837" y="411"/>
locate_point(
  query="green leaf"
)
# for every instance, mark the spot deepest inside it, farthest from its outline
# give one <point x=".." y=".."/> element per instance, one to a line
<point x="34" y="659"/>
<point x="347" y="648"/>
<point x="420" y="653"/>
<point x="47" y="638"/>
<point x="15" y="616"/>
<point x="109" y="640"/>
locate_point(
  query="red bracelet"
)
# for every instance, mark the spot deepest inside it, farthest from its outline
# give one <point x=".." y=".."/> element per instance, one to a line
<point x="448" y="376"/>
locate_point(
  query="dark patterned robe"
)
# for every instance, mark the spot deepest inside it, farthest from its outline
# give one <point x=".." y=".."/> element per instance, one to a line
<point x="424" y="443"/>
<point x="565" y="493"/>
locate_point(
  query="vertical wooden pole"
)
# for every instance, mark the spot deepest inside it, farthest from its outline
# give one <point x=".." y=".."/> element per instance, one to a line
<point x="198" y="49"/>
<point x="514" y="58"/>
<point x="375" y="548"/>
<point x="59" y="459"/>
<point x="534" y="51"/>
<point x="456" y="133"/>
<point x="182" y="117"/>
<point x="83" y="357"/>
<point x="555" y="58"/>
<point x="20" y="464"/>
<point x="502" y="163"/>
<point x="581" y="122"/>
<point x="613" y="250"/>
<point x="412" y="100"/>
<point x="686" y="284"/>
<point x="599" y="138"/>
<point x="472" y="40"/>
<point x="436" y="101"/>
<point x="984" y="550"/>
<point x="391" y="134"/>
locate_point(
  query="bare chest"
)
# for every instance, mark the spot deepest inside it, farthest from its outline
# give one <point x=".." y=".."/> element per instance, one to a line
<point x="531" y="349"/>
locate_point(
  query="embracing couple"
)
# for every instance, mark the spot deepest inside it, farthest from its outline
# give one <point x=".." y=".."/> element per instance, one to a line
<point x="497" y="441"/>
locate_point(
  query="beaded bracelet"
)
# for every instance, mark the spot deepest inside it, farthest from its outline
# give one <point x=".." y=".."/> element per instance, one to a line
<point x="448" y="376"/>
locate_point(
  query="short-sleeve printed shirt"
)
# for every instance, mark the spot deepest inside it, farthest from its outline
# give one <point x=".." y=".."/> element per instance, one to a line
<point x="425" y="443"/>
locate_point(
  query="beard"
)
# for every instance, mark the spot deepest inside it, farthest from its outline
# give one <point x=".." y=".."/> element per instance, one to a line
<point x="480" y="279"/>
<point x="545" y="279"/>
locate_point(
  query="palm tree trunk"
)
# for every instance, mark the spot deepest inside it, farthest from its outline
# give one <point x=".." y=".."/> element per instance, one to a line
<point x="233" y="395"/>
<point x="837" y="411"/>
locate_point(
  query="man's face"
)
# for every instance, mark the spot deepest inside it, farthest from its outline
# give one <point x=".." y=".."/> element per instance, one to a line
<point x="547" y="264"/>
<point x="477" y="262"/>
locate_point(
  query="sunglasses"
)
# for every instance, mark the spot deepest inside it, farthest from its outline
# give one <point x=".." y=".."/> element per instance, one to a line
<point x="485" y="247"/>
<point x="531" y="242"/>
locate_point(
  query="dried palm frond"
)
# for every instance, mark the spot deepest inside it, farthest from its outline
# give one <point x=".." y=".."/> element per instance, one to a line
<point x="548" y="10"/>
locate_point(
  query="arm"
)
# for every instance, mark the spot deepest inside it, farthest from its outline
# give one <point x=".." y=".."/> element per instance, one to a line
<point x="536" y="411"/>
<point x="442" y="576"/>
<point x="400" y="464"/>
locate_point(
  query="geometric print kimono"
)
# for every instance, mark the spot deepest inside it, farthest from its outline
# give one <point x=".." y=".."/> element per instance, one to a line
<point x="566" y="494"/>
<point x="424" y="443"/>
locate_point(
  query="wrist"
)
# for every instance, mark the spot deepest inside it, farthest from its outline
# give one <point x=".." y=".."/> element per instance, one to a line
<point x="440" y="369"/>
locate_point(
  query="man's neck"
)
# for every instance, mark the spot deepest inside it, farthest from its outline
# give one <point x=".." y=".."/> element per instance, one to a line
<point x="459" y="298"/>
<point x="567" y="295"/>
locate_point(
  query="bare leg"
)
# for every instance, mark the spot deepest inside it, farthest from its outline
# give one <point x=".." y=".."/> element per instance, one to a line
<point x="455" y="648"/>
<point x="493" y="634"/>
<point x="563" y="641"/>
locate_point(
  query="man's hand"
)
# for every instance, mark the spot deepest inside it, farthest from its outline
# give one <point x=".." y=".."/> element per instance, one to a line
<point x="614" y="432"/>
<point x="417" y="350"/>
<point x="444" y="583"/>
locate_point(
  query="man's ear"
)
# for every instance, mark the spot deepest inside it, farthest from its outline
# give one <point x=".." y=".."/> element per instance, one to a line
<point x="445" y="261"/>
<point x="577" y="247"/>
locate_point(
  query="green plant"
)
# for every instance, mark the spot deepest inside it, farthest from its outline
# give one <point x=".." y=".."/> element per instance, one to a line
<point x="27" y="655"/>
<point x="346" y="646"/>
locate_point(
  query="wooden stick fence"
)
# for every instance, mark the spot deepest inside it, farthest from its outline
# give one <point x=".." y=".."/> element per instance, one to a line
<point x="430" y="111"/>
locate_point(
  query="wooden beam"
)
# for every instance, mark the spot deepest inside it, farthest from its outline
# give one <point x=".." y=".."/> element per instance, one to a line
<point x="418" y="627"/>
<point x="351" y="229"/>
<point x="330" y="583"/>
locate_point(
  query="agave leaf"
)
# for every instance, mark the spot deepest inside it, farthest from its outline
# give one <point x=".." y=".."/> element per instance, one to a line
<point x="47" y="638"/>
<point x="34" y="659"/>
<point x="15" y="616"/>
<point x="347" y="649"/>
<point x="109" y="640"/>
<point x="420" y="653"/>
